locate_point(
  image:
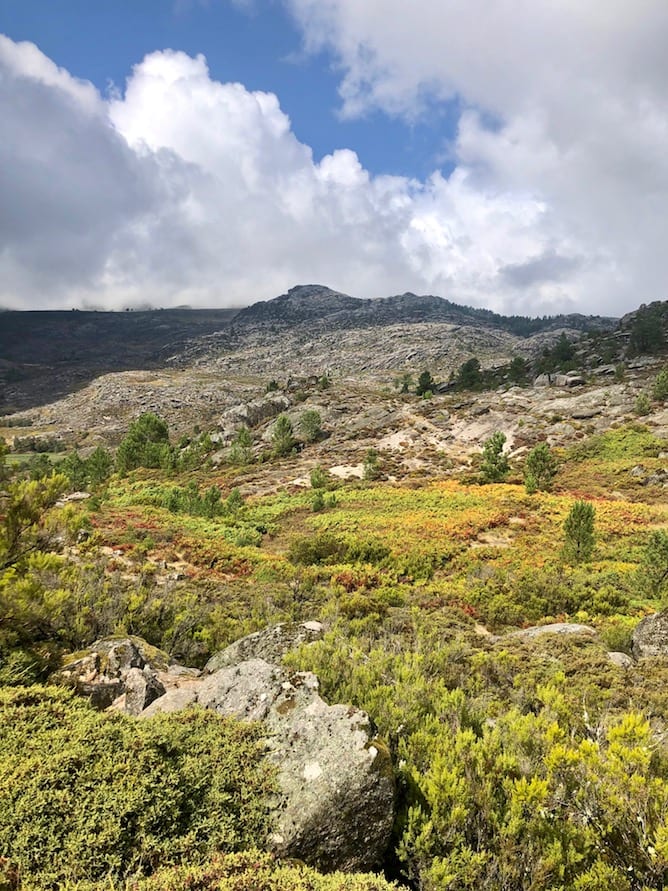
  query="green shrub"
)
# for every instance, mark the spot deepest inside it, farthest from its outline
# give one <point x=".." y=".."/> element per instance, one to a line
<point x="310" y="425"/>
<point x="540" y="469"/>
<point x="425" y="384"/>
<point x="310" y="550"/>
<point x="494" y="467"/>
<point x="282" y="436"/>
<point x="86" y="795"/>
<point x="145" y="445"/>
<point x="248" y="871"/>
<point x="242" y="447"/>
<point x="319" y="477"/>
<point x="371" y="467"/>
<point x="660" y="388"/>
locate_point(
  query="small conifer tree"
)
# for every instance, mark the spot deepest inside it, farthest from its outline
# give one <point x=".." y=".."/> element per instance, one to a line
<point x="540" y="469"/>
<point x="579" y="532"/>
<point x="494" y="467"/>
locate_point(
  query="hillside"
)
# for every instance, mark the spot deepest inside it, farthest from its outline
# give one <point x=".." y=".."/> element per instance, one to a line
<point x="46" y="355"/>
<point x="441" y="607"/>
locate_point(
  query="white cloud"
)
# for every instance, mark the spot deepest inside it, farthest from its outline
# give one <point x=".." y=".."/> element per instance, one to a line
<point x="183" y="189"/>
<point x="563" y="101"/>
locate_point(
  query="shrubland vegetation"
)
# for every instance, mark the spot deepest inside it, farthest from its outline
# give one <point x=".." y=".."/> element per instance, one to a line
<point x="522" y="764"/>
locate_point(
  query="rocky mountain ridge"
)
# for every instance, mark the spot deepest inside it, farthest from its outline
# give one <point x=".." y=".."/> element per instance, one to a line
<point x="46" y="355"/>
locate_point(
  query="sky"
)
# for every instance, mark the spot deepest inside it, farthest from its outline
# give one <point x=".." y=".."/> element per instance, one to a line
<point x="501" y="153"/>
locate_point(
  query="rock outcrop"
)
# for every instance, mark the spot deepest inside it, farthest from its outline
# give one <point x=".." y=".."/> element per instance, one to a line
<point x="271" y="644"/>
<point x="650" y="637"/>
<point x="335" y="809"/>
<point x="336" y="805"/>
<point x="124" y="672"/>
<point x="553" y="628"/>
<point x="252" y="413"/>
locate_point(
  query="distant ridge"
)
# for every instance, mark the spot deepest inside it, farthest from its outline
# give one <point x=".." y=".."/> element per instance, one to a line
<point x="318" y="303"/>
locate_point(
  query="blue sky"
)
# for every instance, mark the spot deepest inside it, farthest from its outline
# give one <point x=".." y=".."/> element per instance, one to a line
<point x="499" y="153"/>
<point x="258" y="45"/>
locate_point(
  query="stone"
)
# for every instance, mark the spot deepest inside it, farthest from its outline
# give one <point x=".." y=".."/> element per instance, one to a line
<point x="586" y="412"/>
<point x="650" y="636"/>
<point x="554" y="628"/>
<point x="252" y="413"/>
<point x="174" y="700"/>
<point x="621" y="660"/>
<point x="568" y="380"/>
<point x="141" y="689"/>
<point x="123" y="672"/>
<point x="337" y="792"/>
<point x="543" y="380"/>
<point x="270" y="644"/>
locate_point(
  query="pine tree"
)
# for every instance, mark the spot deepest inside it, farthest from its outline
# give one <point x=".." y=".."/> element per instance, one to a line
<point x="494" y="467"/>
<point x="283" y="436"/>
<point x="579" y="532"/>
<point x="540" y="469"/>
<point x="242" y="447"/>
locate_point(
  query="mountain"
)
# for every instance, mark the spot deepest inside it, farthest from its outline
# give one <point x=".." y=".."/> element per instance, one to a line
<point x="46" y="355"/>
<point x="321" y="305"/>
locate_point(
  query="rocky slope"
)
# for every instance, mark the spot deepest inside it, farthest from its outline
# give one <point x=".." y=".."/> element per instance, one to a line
<point x="44" y="355"/>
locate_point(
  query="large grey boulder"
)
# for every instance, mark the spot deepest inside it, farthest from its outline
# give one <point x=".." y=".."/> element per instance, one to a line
<point x="336" y="781"/>
<point x="270" y="644"/>
<point x="650" y="637"/>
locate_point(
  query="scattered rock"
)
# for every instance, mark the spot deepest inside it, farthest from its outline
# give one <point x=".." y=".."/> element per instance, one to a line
<point x="554" y="628"/>
<point x="621" y="660"/>
<point x="123" y="672"/>
<point x="650" y="637"/>
<point x="583" y="414"/>
<point x="569" y="380"/>
<point x="270" y="644"/>
<point x="142" y="687"/>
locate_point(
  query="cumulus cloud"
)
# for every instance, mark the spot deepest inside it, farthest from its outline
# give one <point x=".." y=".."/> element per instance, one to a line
<point x="562" y="101"/>
<point x="185" y="190"/>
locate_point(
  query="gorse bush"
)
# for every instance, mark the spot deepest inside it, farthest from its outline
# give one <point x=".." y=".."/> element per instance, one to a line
<point x="87" y="795"/>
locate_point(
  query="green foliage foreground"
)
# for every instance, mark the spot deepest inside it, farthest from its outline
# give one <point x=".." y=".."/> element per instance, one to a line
<point x="519" y="767"/>
<point x="247" y="871"/>
<point x="85" y="795"/>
